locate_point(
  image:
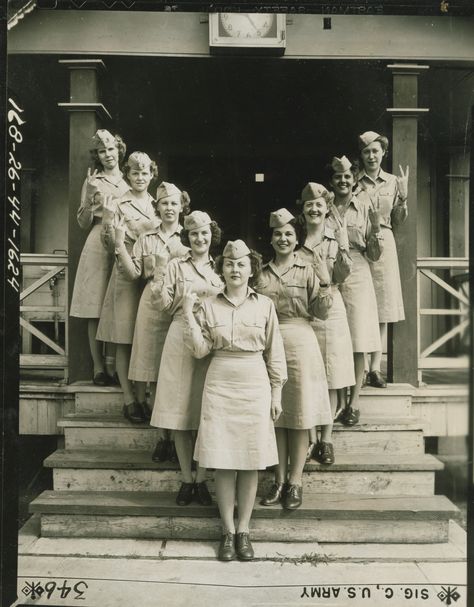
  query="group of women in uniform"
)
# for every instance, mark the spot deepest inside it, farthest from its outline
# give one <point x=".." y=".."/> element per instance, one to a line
<point x="255" y="358"/>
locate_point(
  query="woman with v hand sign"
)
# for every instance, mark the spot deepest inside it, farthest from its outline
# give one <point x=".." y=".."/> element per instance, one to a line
<point x="95" y="264"/>
<point x="362" y="222"/>
<point x="388" y="195"/>
<point x="328" y="247"/>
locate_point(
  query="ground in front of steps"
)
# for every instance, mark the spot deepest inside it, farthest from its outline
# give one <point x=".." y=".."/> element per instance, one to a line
<point x="99" y="573"/>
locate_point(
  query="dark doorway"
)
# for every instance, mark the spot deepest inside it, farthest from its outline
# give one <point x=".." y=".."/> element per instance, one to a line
<point x="214" y="123"/>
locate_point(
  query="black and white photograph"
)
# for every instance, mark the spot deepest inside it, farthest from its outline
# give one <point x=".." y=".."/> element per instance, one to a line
<point x="238" y="321"/>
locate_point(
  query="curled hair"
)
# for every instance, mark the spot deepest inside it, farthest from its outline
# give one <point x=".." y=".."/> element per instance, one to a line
<point x="153" y="170"/>
<point x="255" y="264"/>
<point x="121" y="147"/>
<point x="185" y="203"/>
<point x="216" y="234"/>
<point x="296" y="224"/>
<point x="383" y="142"/>
<point x="329" y="171"/>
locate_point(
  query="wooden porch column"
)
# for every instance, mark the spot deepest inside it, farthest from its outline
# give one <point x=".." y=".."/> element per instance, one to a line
<point x="85" y="114"/>
<point x="402" y="343"/>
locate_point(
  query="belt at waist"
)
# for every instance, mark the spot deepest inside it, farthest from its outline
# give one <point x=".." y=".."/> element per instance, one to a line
<point x="236" y="354"/>
<point x="298" y="320"/>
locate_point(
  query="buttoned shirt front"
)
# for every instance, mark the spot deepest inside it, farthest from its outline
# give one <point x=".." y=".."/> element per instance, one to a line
<point x="251" y="326"/>
<point x="137" y="216"/>
<point x="89" y="210"/>
<point x="183" y="276"/>
<point x="359" y="229"/>
<point x="338" y="261"/>
<point x="384" y="193"/>
<point x="295" y="291"/>
<point x="142" y="260"/>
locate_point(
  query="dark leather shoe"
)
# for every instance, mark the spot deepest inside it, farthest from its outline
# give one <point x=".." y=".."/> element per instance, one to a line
<point x="160" y="454"/>
<point x="146" y="411"/>
<point x="350" y="416"/>
<point x="185" y="494"/>
<point x="326" y="453"/>
<point x="376" y="380"/>
<point x="243" y="547"/>
<point x="227" y="547"/>
<point x="293" y="498"/>
<point x="274" y="495"/>
<point x="202" y="495"/>
<point x="100" y="379"/>
<point x="134" y="413"/>
<point x="113" y="380"/>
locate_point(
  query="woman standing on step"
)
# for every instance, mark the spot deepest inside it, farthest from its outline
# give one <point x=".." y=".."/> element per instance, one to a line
<point x="133" y="213"/>
<point x="357" y="290"/>
<point x="388" y="194"/>
<point x="152" y="326"/>
<point x="181" y="378"/>
<point x="333" y="334"/>
<point x="300" y="291"/>
<point x="242" y="393"/>
<point x="95" y="263"/>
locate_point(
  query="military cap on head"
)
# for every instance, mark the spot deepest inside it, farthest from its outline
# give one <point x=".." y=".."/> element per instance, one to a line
<point x="103" y="139"/>
<point x="340" y="165"/>
<point x="312" y="191"/>
<point x="280" y="218"/>
<point x="196" y="220"/>
<point x="166" y="189"/>
<point x="235" y="249"/>
<point x="367" y="138"/>
<point x="139" y="160"/>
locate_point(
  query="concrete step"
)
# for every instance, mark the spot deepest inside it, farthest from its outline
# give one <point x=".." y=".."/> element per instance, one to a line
<point x="126" y="470"/>
<point x="30" y="543"/>
<point x="321" y="518"/>
<point x="394" y="401"/>
<point x="372" y="435"/>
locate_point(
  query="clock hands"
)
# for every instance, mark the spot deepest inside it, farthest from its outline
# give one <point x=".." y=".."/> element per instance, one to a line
<point x="251" y="21"/>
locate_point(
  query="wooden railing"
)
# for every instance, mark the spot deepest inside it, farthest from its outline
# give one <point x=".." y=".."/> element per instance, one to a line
<point x="44" y="305"/>
<point x="458" y="295"/>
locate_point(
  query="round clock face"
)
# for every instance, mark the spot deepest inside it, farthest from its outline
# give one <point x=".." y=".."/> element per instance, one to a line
<point x="247" y="25"/>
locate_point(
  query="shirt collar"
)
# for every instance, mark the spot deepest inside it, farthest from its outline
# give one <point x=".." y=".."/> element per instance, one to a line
<point x="175" y="233"/>
<point x="251" y="294"/>
<point x="297" y="261"/>
<point x="188" y="257"/>
<point x="383" y="175"/>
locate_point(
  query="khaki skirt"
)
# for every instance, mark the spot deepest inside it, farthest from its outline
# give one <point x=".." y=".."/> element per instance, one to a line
<point x="361" y="306"/>
<point x="151" y="328"/>
<point x="119" y="310"/>
<point x="305" y="397"/>
<point x="236" y="430"/>
<point x="92" y="277"/>
<point x="386" y="278"/>
<point x="334" y="338"/>
<point x="180" y="383"/>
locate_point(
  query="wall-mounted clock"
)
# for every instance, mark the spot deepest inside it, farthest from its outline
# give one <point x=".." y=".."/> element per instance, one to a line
<point x="247" y="31"/>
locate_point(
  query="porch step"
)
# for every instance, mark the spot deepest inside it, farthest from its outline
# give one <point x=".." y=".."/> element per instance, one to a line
<point x="324" y="518"/>
<point x="127" y="470"/>
<point x="373" y="435"/>
<point x="393" y="401"/>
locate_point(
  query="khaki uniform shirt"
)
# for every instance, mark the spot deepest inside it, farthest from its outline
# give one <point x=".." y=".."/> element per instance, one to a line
<point x="295" y="292"/>
<point x="182" y="276"/>
<point x="251" y="326"/>
<point x="138" y="215"/>
<point x="359" y="229"/>
<point x="88" y="213"/>
<point x="338" y="260"/>
<point x="384" y="194"/>
<point x="142" y="260"/>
